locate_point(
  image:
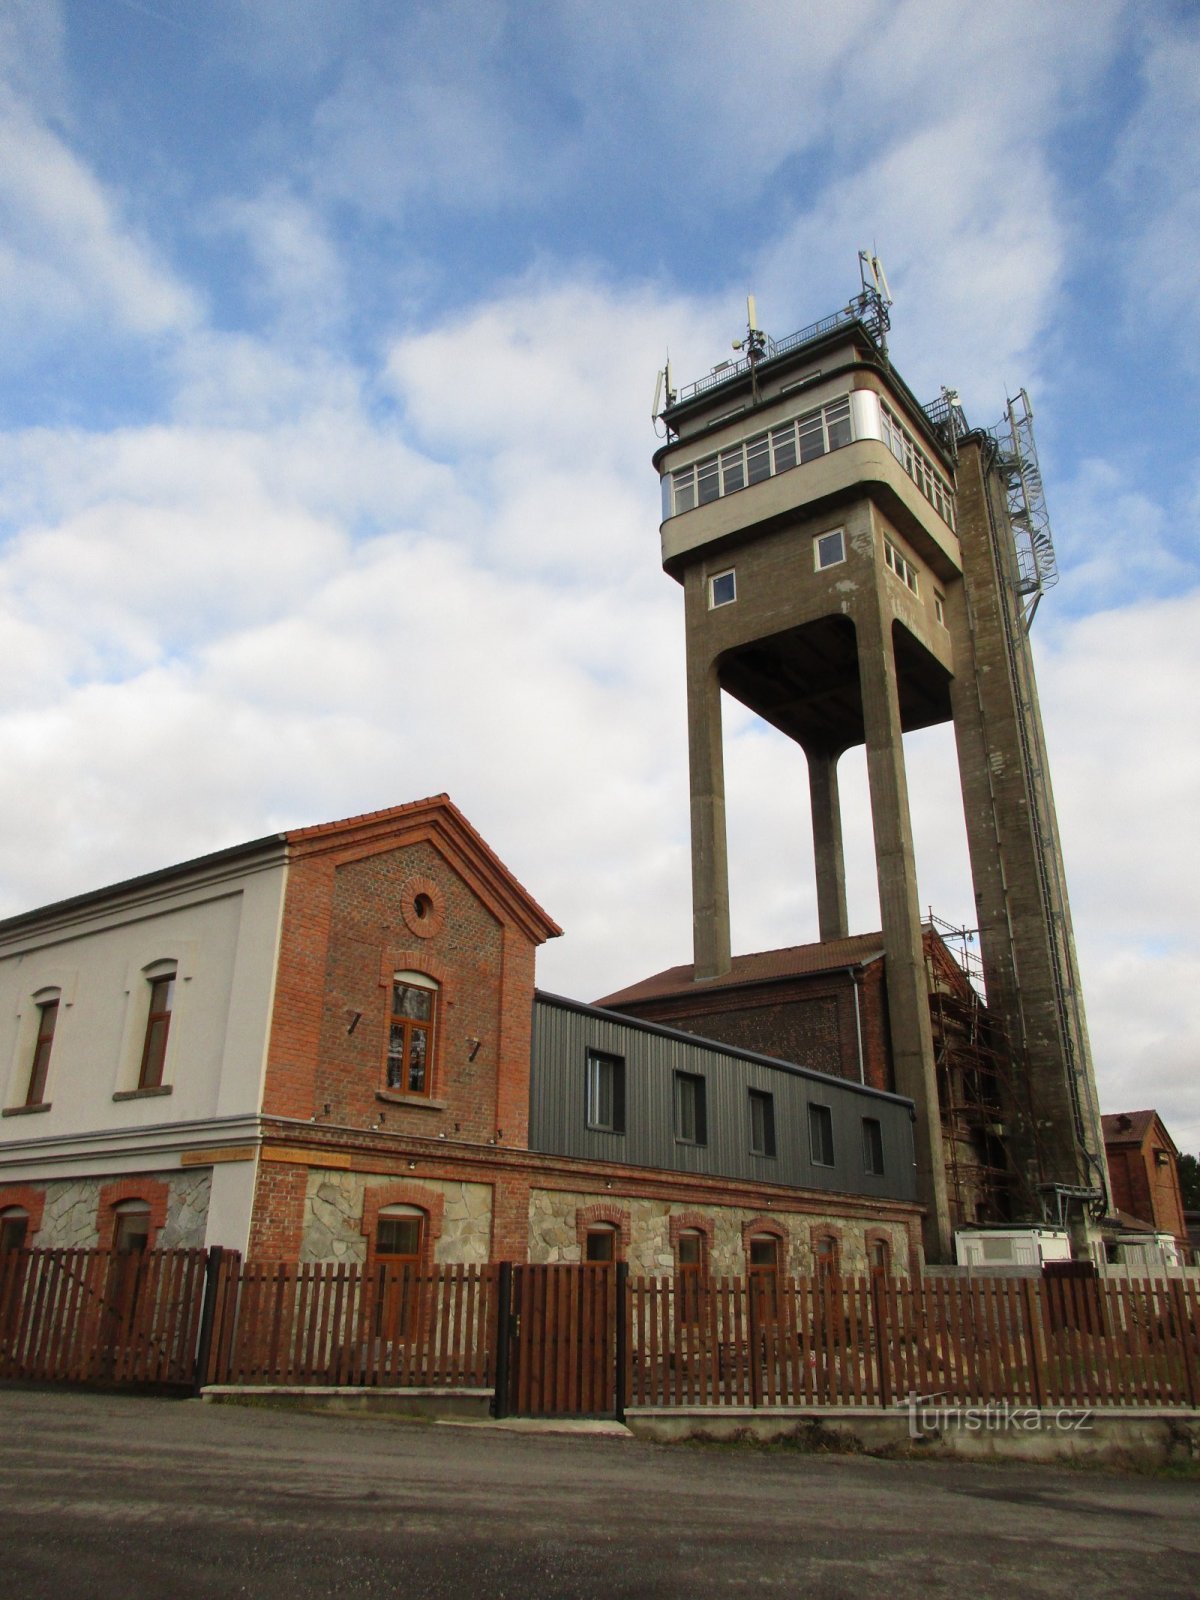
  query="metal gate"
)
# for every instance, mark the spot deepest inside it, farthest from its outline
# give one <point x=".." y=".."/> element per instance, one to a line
<point x="559" y="1346"/>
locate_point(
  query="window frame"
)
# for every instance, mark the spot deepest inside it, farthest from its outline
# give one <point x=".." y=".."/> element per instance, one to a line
<point x="714" y="604"/>
<point x="764" y="1147"/>
<point x="594" y="1063"/>
<point x="609" y="1234"/>
<point x="739" y="466"/>
<point x="874" y="1164"/>
<point x="689" y="1095"/>
<point x="900" y="566"/>
<point x="126" y="1240"/>
<point x="411" y="1027"/>
<point x="822" y="1150"/>
<point x="43" y="1048"/>
<point x="157" y="1036"/>
<point x="9" y="1217"/>
<point x="819" y="539"/>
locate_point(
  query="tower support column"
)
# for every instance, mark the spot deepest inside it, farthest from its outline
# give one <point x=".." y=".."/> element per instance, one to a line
<point x="904" y="949"/>
<point x="710" y="855"/>
<point x="832" y="918"/>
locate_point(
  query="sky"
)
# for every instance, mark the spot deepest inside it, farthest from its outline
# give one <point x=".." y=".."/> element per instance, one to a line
<point x="327" y="358"/>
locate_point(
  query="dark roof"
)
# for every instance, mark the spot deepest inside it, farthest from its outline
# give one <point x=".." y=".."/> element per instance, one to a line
<point x="720" y="1047"/>
<point x="766" y="966"/>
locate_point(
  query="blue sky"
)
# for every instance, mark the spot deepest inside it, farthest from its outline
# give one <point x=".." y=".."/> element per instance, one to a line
<point x="330" y="343"/>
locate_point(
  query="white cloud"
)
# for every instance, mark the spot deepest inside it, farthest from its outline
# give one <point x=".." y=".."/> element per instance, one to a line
<point x="1153" y="179"/>
<point x="67" y="257"/>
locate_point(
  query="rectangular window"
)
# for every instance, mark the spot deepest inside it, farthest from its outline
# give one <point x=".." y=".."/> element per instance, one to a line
<point x="47" y="1018"/>
<point x="829" y="549"/>
<point x="691" y="1122"/>
<point x="872" y="1146"/>
<point x="722" y="589"/>
<point x="783" y="446"/>
<point x="758" y="458"/>
<point x="939" y="608"/>
<point x="820" y="1135"/>
<point x="708" y="482"/>
<point x="900" y="565"/>
<point x="158" y="1025"/>
<point x="762" y="1123"/>
<point x="605" y="1092"/>
<point x="684" y="489"/>
<point x="733" y="471"/>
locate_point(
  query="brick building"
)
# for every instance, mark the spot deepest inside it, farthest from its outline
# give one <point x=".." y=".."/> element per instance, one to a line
<point x="327" y="1044"/>
<point x="1143" y="1166"/>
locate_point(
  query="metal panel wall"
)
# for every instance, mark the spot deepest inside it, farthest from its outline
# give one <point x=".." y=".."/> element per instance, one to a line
<point x="564" y="1031"/>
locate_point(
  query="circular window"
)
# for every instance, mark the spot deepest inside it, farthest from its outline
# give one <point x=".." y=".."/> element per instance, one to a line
<point x="421" y="907"/>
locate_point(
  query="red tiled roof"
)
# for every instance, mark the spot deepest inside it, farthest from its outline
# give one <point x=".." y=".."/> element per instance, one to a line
<point x="798" y="960"/>
<point x="1128" y="1127"/>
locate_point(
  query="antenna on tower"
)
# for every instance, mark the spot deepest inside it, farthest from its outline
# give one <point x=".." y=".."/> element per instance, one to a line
<point x="664" y="394"/>
<point x="875" y="301"/>
<point x="754" y="344"/>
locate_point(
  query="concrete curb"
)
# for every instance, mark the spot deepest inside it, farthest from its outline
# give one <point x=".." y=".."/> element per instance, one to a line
<point x="1002" y="1432"/>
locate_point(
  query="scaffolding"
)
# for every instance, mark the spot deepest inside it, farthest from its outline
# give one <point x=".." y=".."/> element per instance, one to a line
<point x="977" y="1079"/>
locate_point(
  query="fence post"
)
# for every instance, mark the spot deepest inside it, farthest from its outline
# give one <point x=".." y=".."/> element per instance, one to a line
<point x="1183" y="1320"/>
<point x="503" y="1319"/>
<point x="208" y="1312"/>
<point x="883" y="1350"/>
<point x="622" y="1339"/>
<point x="1036" y="1379"/>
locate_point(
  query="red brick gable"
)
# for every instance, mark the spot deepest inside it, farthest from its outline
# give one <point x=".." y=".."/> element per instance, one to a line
<point x="440" y="821"/>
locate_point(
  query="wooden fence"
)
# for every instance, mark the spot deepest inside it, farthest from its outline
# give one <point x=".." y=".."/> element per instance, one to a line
<point x="875" y="1342"/>
<point x="345" y="1325"/>
<point x="593" y="1339"/>
<point x="93" y="1316"/>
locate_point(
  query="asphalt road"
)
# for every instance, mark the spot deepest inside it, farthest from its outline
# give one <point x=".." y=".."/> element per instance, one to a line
<point x="109" y="1496"/>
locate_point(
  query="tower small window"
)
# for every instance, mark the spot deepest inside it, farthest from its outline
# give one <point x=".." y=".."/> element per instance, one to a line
<point x="829" y="548"/>
<point x="410" y="1035"/>
<point x="939" y="607"/>
<point x="722" y="589"/>
<point x="158" y="1026"/>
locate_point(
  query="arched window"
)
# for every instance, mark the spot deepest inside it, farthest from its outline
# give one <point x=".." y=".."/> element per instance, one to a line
<point x="14" y="1228"/>
<point x="411" y="1034"/>
<point x="825" y="1254"/>
<point x="131" y="1227"/>
<point x="689" y="1272"/>
<point x="880" y="1258"/>
<point x="763" y="1250"/>
<point x="158" y="1025"/>
<point x="399" y="1236"/>
<point x="601" y="1243"/>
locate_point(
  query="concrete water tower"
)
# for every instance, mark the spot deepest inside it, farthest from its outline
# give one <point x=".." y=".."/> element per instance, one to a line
<point x="854" y="568"/>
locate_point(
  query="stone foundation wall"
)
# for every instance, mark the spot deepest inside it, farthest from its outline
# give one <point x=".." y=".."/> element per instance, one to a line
<point x="554" y="1234"/>
<point x="333" y="1210"/>
<point x="72" y="1204"/>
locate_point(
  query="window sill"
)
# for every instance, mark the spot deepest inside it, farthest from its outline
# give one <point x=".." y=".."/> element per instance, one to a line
<point x="144" y="1094"/>
<point x="25" y="1111"/>
<point x="420" y="1102"/>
